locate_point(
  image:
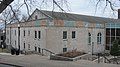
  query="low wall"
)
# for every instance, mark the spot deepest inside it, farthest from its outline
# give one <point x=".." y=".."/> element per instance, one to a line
<point x="56" y="57"/>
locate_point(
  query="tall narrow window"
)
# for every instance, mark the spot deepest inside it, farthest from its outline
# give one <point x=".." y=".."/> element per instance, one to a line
<point x="35" y="34"/>
<point x="36" y="17"/>
<point x="39" y="50"/>
<point x="35" y="48"/>
<point x="1" y="37"/>
<point x="39" y="34"/>
<point x="24" y="32"/>
<point x="89" y="38"/>
<point x="99" y="37"/>
<point x="24" y="45"/>
<point x="73" y="34"/>
<point x="28" y="33"/>
<point x="15" y="32"/>
<point x="28" y="46"/>
<point x="64" y="49"/>
<point x="64" y="34"/>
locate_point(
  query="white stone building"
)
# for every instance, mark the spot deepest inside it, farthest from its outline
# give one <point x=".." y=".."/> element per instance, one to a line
<point x="57" y="32"/>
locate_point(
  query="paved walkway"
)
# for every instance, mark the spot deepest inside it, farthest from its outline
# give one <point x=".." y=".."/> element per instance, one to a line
<point x="43" y="61"/>
<point x="5" y="54"/>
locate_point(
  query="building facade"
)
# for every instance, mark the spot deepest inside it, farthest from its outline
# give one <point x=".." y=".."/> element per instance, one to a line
<point x="57" y="32"/>
<point x="112" y="31"/>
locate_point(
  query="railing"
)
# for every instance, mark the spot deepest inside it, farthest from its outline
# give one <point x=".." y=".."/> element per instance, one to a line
<point x="47" y="51"/>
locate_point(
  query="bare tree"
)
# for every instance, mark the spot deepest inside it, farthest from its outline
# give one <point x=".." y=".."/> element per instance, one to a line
<point x="112" y="4"/>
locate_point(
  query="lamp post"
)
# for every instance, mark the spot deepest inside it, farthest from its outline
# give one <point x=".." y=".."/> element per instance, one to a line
<point x="3" y="40"/>
<point x="18" y="39"/>
<point x="92" y="47"/>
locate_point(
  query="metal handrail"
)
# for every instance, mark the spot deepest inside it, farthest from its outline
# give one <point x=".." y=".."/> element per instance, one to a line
<point x="47" y="51"/>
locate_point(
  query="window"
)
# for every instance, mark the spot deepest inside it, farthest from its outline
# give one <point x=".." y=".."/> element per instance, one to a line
<point x="1" y="37"/>
<point x="15" y="32"/>
<point x="64" y="34"/>
<point x="24" y="45"/>
<point x="35" y="48"/>
<point x="28" y="46"/>
<point x="28" y="33"/>
<point x="39" y="50"/>
<point x="99" y="36"/>
<point x="89" y="38"/>
<point x="39" y="33"/>
<point x="19" y="32"/>
<point x="64" y="49"/>
<point x="36" y="17"/>
<point x="24" y="32"/>
<point x="35" y="34"/>
<point x="73" y="34"/>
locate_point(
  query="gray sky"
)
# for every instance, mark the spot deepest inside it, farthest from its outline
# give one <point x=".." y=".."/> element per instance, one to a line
<point x="85" y="7"/>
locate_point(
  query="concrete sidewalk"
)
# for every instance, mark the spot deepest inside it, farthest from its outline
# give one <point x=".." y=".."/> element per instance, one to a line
<point x="43" y="61"/>
<point x="5" y="53"/>
<point x="2" y="53"/>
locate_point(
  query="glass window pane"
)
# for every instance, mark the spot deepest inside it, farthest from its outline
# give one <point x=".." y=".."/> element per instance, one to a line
<point x="112" y="32"/>
<point x="108" y="32"/>
<point x="112" y="25"/>
<point x="64" y="34"/>
<point x="117" y="25"/>
<point x="117" y="32"/>
<point x="73" y="34"/>
<point x="112" y="39"/>
<point x="107" y="40"/>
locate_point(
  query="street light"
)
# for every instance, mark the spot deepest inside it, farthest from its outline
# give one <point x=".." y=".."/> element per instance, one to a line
<point x="2" y="38"/>
<point x="18" y="51"/>
<point x="92" y="47"/>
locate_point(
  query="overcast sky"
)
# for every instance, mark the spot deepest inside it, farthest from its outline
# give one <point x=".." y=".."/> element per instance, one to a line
<point x="84" y="7"/>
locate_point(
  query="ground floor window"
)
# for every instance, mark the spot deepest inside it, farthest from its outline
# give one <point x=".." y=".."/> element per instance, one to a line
<point x="99" y="38"/>
<point x="89" y="38"/>
<point x="39" y="49"/>
<point x="28" y="46"/>
<point x="64" y="49"/>
<point x="24" y="45"/>
<point x="35" y="48"/>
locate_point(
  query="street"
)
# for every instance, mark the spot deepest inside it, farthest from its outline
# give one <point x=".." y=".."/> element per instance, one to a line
<point x="43" y="61"/>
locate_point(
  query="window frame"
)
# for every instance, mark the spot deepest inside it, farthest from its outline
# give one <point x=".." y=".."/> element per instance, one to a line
<point x="24" y="45"/>
<point x="28" y="32"/>
<point x="73" y="34"/>
<point x="39" y="34"/>
<point x="15" y="32"/>
<point x="35" y="34"/>
<point x="89" y="38"/>
<point x="24" y="33"/>
<point x="64" y="34"/>
<point x="99" y="38"/>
